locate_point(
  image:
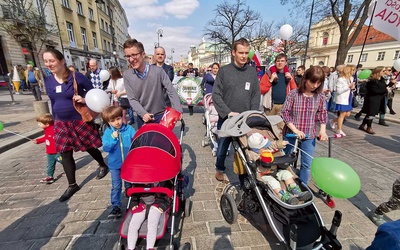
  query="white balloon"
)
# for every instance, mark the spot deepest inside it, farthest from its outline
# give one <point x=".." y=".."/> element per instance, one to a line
<point x="97" y="100"/>
<point x="286" y="31"/>
<point x="396" y="64"/>
<point x="104" y="75"/>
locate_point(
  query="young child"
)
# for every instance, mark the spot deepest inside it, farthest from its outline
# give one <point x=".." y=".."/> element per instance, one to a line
<point x="262" y="146"/>
<point x="153" y="205"/>
<point x="117" y="139"/>
<point x="286" y="71"/>
<point x="46" y="122"/>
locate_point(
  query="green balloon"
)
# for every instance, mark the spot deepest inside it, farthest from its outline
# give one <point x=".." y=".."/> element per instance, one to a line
<point x="365" y="74"/>
<point x="251" y="53"/>
<point x="335" y="177"/>
<point x="1" y="126"/>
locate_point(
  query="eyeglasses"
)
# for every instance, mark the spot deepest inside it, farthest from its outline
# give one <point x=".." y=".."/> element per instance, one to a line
<point x="133" y="56"/>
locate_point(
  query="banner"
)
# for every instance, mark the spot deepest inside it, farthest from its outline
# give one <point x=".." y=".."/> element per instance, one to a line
<point x="189" y="90"/>
<point x="386" y="17"/>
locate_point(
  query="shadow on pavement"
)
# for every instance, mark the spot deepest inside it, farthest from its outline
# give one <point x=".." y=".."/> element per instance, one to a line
<point x="387" y="144"/>
<point x="41" y="223"/>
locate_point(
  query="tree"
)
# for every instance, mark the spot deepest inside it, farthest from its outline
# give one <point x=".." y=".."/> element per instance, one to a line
<point x="230" y="22"/>
<point x="341" y="11"/>
<point x="27" y="23"/>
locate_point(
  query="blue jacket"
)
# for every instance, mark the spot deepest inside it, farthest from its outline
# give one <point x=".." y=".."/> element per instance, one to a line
<point x="113" y="145"/>
<point x="387" y="237"/>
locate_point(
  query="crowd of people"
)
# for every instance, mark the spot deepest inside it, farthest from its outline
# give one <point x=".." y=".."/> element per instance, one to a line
<point x="302" y="100"/>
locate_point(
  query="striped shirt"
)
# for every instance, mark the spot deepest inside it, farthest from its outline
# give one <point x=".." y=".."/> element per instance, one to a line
<point x="304" y="112"/>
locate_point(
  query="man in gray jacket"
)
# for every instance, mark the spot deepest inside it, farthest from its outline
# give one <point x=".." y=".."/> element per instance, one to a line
<point x="236" y="89"/>
<point x="145" y="84"/>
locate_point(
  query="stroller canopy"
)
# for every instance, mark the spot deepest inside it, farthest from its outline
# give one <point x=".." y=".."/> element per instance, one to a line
<point x="154" y="155"/>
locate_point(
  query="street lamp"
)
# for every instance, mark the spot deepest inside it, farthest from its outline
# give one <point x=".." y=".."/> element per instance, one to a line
<point x="172" y="55"/>
<point x="159" y="34"/>
<point x="110" y="15"/>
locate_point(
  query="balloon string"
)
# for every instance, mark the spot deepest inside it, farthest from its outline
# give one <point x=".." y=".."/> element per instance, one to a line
<point x="301" y="150"/>
<point x="17" y="134"/>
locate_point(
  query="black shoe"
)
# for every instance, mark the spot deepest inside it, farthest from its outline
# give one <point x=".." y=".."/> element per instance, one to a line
<point x="357" y="117"/>
<point x="115" y="213"/>
<point x="190" y="110"/>
<point x="392" y="112"/>
<point x="103" y="171"/>
<point x="383" y="123"/>
<point x="71" y="190"/>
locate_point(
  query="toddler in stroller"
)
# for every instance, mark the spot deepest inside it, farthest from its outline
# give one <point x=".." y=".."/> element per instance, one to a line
<point x="272" y="175"/>
<point x="210" y="119"/>
<point x="297" y="226"/>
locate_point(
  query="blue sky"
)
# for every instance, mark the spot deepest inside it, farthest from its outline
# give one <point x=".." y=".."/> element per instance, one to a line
<point x="183" y="21"/>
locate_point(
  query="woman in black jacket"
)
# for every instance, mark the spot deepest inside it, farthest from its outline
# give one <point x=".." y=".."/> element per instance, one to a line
<point x="374" y="100"/>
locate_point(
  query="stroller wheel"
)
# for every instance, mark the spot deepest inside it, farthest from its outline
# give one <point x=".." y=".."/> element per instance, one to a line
<point x="186" y="246"/>
<point x="203" y="120"/>
<point x="118" y="246"/>
<point x="228" y="208"/>
<point x="188" y="207"/>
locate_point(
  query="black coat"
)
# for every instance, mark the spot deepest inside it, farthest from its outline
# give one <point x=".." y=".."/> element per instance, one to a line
<point x="374" y="100"/>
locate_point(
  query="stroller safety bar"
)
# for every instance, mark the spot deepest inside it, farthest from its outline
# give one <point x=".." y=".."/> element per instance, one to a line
<point x="163" y="190"/>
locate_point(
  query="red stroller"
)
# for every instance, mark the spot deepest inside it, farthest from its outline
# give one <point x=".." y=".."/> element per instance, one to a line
<point x="155" y="156"/>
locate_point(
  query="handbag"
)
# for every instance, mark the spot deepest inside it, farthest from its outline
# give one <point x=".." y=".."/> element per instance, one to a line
<point x="87" y="114"/>
<point x="124" y="103"/>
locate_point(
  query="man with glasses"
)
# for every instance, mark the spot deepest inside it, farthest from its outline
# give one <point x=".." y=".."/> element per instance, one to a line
<point x="145" y="84"/>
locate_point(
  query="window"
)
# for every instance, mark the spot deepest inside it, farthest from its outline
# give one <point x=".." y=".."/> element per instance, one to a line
<point x="109" y="46"/>
<point x="381" y="56"/>
<point x="84" y="37"/>
<point x="396" y="54"/>
<point x="94" y="39"/>
<point x="104" y="45"/>
<point x="350" y="58"/>
<point x="71" y="36"/>
<point x="106" y="26"/>
<point x="102" y="24"/>
<point x="65" y="3"/>
<point x="325" y="38"/>
<point x="91" y="15"/>
<point x="79" y="8"/>
<point x="363" y="57"/>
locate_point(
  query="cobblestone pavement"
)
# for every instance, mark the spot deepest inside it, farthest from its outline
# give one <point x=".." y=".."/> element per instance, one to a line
<point x="32" y="217"/>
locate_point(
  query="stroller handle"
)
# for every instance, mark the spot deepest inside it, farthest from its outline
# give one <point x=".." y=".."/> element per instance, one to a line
<point x="294" y="136"/>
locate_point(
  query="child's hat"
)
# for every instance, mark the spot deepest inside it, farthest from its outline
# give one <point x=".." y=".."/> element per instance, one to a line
<point x="258" y="141"/>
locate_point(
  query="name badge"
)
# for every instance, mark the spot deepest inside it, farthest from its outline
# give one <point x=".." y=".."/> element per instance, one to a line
<point x="247" y="86"/>
<point x="58" y="89"/>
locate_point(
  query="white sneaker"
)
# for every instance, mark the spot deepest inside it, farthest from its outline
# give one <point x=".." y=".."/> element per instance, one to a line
<point x="340" y="132"/>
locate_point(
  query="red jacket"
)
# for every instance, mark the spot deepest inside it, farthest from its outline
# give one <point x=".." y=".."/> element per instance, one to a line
<point x="265" y="85"/>
<point x="49" y="139"/>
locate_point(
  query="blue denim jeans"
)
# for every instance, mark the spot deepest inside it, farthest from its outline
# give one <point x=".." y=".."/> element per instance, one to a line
<point x="223" y="146"/>
<point x="382" y="114"/>
<point x="52" y="159"/>
<point x="116" y="187"/>
<point x="308" y="146"/>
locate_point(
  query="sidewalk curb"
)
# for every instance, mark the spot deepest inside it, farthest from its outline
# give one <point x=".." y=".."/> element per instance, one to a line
<point x="15" y="141"/>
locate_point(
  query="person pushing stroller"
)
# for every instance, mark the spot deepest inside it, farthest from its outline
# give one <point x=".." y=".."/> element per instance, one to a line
<point x="270" y="174"/>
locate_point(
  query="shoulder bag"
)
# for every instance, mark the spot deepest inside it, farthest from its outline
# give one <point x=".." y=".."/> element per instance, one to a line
<point x="87" y="114"/>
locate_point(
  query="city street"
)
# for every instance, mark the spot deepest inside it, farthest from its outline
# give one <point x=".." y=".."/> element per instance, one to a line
<point x="33" y="218"/>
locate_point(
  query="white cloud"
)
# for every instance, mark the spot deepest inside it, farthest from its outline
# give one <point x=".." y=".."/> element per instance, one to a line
<point x="181" y="8"/>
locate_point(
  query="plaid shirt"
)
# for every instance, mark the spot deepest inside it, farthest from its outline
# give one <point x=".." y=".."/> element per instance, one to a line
<point x="304" y="112"/>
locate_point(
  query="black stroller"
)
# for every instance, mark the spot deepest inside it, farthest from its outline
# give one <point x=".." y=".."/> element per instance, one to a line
<point x="296" y="226"/>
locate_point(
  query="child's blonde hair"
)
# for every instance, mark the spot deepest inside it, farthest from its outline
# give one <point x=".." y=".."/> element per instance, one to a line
<point x="111" y="113"/>
<point x="46" y="119"/>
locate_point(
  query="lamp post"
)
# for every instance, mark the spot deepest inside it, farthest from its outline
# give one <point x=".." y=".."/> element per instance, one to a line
<point x="308" y="34"/>
<point x="110" y="15"/>
<point x="172" y="55"/>
<point x="159" y="34"/>
<point x="156" y="45"/>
